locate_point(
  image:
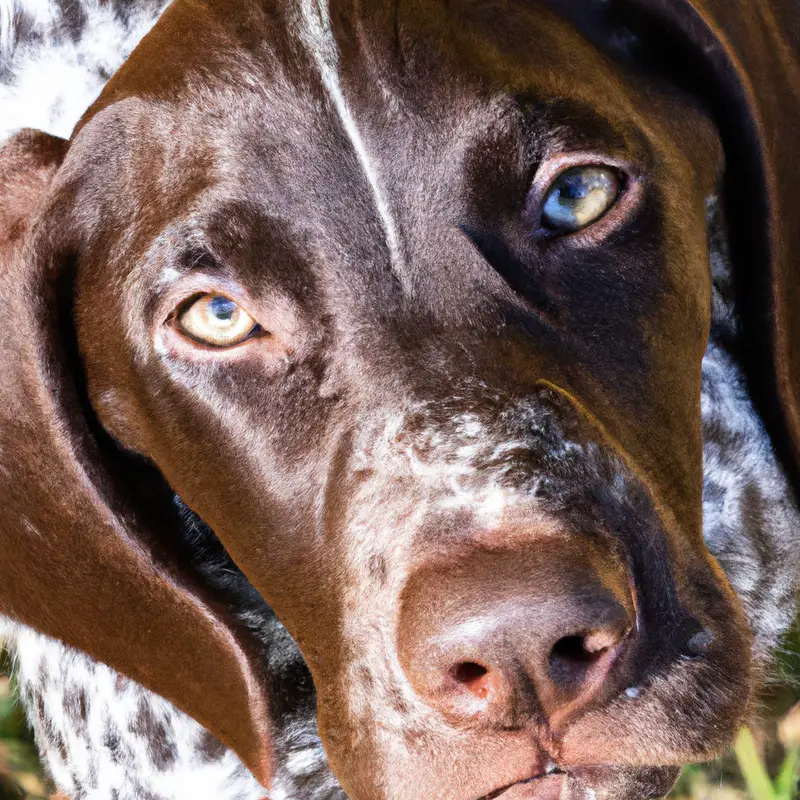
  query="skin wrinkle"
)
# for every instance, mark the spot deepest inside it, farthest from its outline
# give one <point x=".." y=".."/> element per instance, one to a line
<point x="434" y="476"/>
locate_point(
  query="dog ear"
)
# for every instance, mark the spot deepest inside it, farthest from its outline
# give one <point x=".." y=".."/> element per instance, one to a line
<point x="82" y="555"/>
<point x="743" y="56"/>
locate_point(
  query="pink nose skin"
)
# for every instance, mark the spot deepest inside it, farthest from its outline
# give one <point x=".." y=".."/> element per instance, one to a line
<point x="504" y="639"/>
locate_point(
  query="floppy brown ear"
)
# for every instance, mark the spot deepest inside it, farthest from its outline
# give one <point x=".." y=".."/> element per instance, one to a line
<point x="744" y="55"/>
<point x="80" y="546"/>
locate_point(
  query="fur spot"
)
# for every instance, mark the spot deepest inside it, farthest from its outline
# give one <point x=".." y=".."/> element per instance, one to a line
<point x="75" y="706"/>
<point x="377" y="568"/>
<point x="210" y="748"/>
<point x="154" y="731"/>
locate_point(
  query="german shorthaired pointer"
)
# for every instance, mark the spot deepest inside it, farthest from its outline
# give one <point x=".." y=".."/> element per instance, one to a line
<point x="415" y="379"/>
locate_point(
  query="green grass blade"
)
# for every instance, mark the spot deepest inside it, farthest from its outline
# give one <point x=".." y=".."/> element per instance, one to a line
<point x="753" y="770"/>
<point x="786" y="782"/>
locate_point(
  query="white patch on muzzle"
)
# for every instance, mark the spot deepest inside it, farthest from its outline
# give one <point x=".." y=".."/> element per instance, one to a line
<point x="444" y="462"/>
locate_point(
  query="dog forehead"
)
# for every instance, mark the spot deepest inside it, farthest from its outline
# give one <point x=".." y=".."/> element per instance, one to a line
<point x="327" y="114"/>
<point x="417" y="38"/>
<point x="293" y="74"/>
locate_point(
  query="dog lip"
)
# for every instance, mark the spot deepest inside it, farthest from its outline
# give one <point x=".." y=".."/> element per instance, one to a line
<point x="537" y="787"/>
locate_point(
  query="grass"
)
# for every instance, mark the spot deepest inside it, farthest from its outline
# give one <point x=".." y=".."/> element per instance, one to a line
<point x="20" y="774"/>
<point x="751" y="779"/>
<point x="755" y="775"/>
<point x="763" y="764"/>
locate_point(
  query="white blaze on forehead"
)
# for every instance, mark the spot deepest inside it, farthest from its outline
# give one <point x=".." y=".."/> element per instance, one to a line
<point x="317" y="35"/>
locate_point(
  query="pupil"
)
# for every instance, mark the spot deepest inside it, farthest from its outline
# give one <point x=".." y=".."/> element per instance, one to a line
<point x="222" y="308"/>
<point x="577" y="187"/>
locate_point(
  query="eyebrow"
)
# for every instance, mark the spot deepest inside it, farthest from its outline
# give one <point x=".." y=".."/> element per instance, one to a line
<point x="575" y="122"/>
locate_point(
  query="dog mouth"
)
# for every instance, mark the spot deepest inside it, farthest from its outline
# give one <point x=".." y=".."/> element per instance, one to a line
<point x="547" y="785"/>
<point x="587" y="783"/>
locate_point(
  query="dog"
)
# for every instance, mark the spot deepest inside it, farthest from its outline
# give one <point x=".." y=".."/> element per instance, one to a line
<point x="415" y="381"/>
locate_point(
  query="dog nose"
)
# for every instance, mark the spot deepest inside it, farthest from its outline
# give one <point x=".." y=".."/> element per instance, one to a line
<point x="501" y="638"/>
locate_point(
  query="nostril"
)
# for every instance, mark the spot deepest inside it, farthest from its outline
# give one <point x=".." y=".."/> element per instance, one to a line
<point x="473" y="677"/>
<point x="579" y="650"/>
<point x="575" y="650"/>
<point x="572" y="657"/>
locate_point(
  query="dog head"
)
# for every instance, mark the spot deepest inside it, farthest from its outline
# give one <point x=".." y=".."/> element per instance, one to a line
<point x="408" y="303"/>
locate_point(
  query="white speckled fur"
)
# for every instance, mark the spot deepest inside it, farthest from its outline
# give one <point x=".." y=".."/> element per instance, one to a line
<point x="451" y="456"/>
<point x="750" y="515"/>
<point x="91" y="724"/>
<point x="108" y="755"/>
<point x="49" y="77"/>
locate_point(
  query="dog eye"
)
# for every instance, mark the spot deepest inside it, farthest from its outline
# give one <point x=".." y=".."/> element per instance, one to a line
<point x="216" y="320"/>
<point x="580" y="196"/>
